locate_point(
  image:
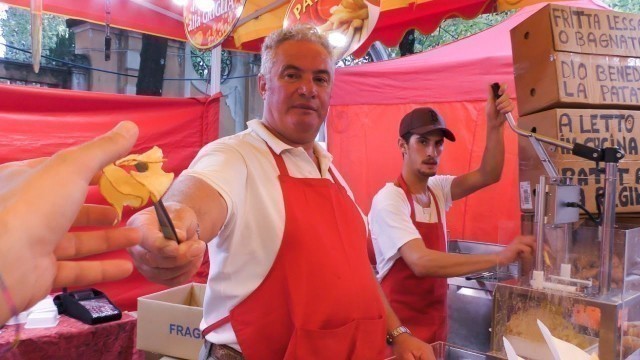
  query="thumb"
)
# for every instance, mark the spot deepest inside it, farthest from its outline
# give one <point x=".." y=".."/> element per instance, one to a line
<point x="89" y="158"/>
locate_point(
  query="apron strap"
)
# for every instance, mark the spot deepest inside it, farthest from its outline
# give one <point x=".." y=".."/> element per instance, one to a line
<point x="401" y="183"/>
<point x="215" y="325"/>
<point x="435" y="201"/>
<point x="282" y="168"/>
<point x="336" y="181"/>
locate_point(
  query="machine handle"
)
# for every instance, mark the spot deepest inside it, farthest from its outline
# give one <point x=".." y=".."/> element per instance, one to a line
<point x="577" y="149"/>
<point x="495" y="87"/>
<point x="587" y="152"/>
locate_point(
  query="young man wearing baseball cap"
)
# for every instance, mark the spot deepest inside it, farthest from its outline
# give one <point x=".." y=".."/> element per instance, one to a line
<point x="408" y="219"/>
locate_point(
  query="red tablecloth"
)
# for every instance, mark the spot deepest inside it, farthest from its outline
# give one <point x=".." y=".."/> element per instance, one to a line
<point x="71" y="339"/>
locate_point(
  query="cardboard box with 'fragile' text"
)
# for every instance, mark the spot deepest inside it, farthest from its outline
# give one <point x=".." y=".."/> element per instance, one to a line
<point x="169" y="321"/>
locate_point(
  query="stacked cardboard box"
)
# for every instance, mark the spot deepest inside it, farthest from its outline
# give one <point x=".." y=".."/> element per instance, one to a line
<point x="577" y="74"/>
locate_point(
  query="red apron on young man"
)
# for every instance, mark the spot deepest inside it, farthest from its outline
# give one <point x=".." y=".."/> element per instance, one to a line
<point x="319" y="299"/>
<point x="419" y="302"/>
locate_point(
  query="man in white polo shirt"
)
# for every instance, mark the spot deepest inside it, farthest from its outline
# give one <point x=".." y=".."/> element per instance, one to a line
<point x="289" y="275"/>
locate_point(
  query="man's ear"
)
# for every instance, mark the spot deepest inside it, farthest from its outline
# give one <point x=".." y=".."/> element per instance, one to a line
<point x="402" y="145"/>
<point x="262" y="86"/>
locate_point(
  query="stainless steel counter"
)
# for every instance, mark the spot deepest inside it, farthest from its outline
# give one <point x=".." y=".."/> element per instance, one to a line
<point x="447" y="351"/>
<point x="470" y="299"/>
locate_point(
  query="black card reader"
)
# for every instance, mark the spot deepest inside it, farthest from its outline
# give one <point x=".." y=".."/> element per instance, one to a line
<point x="90" y="306"/>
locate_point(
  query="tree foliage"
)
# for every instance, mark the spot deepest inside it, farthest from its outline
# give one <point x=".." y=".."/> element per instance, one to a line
<point x="452" y="30"/>
<point x="455" y="29"/>
<point x="630" y="6"/>
<point x="57" y="40"/>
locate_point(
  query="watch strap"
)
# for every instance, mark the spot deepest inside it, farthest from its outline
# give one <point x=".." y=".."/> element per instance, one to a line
<point x="395" y="332"/>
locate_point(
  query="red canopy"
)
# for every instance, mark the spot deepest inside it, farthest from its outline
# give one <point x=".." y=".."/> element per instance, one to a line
<point x="424" y="16"/>
<point x="164" y="18"/>
<point x="158" y="17"/>
<point x="369" y="100"/>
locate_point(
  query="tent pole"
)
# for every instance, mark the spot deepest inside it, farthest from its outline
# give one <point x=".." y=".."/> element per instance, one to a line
<point x="216" y="64"/>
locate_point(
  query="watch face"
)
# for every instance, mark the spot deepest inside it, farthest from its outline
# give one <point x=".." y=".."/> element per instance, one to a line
<point x="399" y="330"/>
<point x="395" y="332"/>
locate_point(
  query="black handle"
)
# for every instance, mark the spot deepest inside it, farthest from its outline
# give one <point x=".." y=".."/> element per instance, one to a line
<point x="495" y="87"/>
<point x="107" y="47"/>
<point x="477" y="276"/>
<point x="587" y="152"/>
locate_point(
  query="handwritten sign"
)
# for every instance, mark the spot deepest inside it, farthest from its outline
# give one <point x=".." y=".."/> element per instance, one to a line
<point x="598" y="128"/>
<point x="595" y="31"/>
<point x="346" y="23"/>
<point x="208" y="27"/>
<point x="571" y="56"/>
<point x="598" y="79"/>
<point x="592" y="183"/>
<point x="577" y="79"/>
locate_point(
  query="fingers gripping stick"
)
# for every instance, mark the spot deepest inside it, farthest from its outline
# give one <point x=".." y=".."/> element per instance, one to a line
<point x="166" y="225"/>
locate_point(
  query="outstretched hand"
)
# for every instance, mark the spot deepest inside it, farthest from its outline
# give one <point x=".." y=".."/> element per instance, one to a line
<point x="40" y="200"/>
<point x="163" y="261"/>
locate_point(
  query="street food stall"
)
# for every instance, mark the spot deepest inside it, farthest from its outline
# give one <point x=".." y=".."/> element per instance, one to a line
<point x="165" y="18"/>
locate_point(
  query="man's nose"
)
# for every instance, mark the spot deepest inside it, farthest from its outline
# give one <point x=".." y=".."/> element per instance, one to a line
<point x="430" y="150"/>
<point x="307" y="88"/>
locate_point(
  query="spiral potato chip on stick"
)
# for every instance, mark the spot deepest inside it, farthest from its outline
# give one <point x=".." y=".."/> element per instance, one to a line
<point x="133" y="179"/>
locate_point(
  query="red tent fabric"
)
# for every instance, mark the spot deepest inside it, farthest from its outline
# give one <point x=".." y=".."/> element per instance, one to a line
<point x="164" y="18"/>
<point x="368" y="102"/>
<point x="425" y="16"/>
<point x="37" y="122"/>
<point x="159" y="17"/>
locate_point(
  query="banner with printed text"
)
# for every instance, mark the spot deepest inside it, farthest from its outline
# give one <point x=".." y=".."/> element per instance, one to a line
<point x="208" y="22"/>
<point x="346" y="23"/>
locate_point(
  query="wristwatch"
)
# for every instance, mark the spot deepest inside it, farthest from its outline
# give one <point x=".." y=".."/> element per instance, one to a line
<point x="395" y="332"/>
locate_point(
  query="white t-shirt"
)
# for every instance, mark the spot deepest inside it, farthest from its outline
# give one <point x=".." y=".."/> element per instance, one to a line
<point x="390" y="219"/>
<point x="241" y="168"/>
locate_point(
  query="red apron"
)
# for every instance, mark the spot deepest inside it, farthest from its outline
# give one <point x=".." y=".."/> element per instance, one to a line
<point x="320" y="299"/>
<point x="420" y="303"/>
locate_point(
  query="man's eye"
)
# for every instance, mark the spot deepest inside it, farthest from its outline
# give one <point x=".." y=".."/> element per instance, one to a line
<point x="322" y="80"/>
<point x="290" y="76"/>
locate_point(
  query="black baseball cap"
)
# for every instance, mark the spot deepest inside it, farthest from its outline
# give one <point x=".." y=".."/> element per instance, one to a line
<point x="422" y="120"/>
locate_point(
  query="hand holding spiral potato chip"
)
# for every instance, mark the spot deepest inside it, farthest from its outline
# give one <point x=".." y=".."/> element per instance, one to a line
<point x="133" y="179"/>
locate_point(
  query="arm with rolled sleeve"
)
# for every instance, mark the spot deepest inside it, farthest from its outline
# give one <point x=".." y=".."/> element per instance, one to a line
<point x="390" y="225"/>
<point x="390" y="237"/>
